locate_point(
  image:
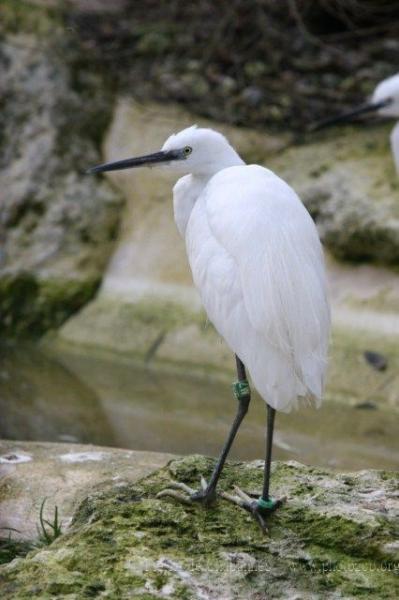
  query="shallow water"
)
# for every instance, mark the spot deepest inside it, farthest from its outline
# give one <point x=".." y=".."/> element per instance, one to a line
<point x="78" y="398"/>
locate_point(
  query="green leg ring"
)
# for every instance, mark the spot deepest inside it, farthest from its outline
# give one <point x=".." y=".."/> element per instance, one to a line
<point x="241" y="389"/>
<point x="267" y="505"/>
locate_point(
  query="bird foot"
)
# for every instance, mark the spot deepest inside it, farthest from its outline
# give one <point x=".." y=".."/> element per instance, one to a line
<point x="259" y="509"/>
<point x="187" y="495"/>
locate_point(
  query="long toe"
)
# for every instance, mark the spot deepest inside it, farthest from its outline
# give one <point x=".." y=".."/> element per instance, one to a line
<point x="187" y="495"/>
<point x="179" y="491"/>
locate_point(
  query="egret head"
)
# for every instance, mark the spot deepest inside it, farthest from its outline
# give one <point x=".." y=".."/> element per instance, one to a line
<point x="193" y="150"/>
<point x="386" y="94"/>
<point x="384" y="102"/>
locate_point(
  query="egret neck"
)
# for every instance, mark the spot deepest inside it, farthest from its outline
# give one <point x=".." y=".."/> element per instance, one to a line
<point x="188" y="188"/>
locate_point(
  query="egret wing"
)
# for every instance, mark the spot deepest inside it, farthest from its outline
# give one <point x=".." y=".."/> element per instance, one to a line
<point x="262" y="224"/>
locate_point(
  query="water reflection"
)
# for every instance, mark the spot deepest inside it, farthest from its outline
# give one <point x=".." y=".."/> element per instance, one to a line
<point x="103" y="401"/>
<point x="40" y="399"/>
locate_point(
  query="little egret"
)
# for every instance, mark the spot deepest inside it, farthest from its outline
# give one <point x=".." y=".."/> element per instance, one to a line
<point x="384" y="102"/>
<point x="257" y="262"/>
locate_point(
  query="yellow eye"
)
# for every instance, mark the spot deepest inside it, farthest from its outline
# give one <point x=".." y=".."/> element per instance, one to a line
<point x="187" y="150"/>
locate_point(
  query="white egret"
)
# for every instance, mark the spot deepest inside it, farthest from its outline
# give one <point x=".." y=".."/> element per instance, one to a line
<point x="257" y="262"/>
<point x="384" y="102"/>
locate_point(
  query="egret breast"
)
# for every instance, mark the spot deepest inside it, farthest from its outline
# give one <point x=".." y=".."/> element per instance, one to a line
<point x="213" y="269"/>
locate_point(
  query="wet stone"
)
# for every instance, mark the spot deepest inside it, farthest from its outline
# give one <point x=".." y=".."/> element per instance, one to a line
<point x="335" y="538"/>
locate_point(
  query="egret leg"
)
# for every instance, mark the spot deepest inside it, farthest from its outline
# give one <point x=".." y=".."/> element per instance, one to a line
<point x="243" y="394"/>
<point x="207" y="495"/>
<point x="271" y="413"/>
<point x="265" y="504"/>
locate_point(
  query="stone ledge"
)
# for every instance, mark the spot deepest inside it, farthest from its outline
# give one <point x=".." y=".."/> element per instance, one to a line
<point x="63" y="474"/>
<point x="335" y="538"/>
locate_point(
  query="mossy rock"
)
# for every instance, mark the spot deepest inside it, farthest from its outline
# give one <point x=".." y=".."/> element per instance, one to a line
<point x="29" y="306"/>
<point x="58" y="226"/>
<point x="335" y="537"/>
<point x="347" y="180"/>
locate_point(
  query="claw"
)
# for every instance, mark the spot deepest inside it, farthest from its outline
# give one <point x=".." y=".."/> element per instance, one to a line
<point x="190" y="495"/>
<point x="252" y="506"/>
<point x="178" y="485"/>
<point x="242" y="494"/>
<point x="173" y="494"/>
<point x="241" y="498"/>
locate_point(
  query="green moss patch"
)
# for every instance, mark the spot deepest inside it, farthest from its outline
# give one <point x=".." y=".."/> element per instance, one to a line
<point x="330" y="538"/>
<point x="29" y="306"/>
<point x="22" y="15"/>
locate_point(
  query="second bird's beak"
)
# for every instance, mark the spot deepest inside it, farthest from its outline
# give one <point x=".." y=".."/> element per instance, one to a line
<point x="164" y="156"/>
<point x="348" y="116"/>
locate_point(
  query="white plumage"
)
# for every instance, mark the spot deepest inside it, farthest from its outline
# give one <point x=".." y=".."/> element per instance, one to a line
<point x="388" y="89"/>
<point x="257" y="262"/>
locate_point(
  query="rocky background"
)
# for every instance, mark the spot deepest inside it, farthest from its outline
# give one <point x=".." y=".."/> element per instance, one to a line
<point x="57" y="225"/>
<point x="278" y="65"/>
<point x="274" y="65"/>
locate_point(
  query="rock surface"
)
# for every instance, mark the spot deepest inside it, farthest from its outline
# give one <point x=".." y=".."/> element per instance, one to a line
<point x="335" y="538"/>
<point x="57" y="225"/>
<point x="62" y="475"/>
<point x="348" y="182"/>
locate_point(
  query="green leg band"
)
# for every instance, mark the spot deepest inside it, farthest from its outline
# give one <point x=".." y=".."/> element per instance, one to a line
<point x="241" y="389"/>
<point x="268" y="504"/>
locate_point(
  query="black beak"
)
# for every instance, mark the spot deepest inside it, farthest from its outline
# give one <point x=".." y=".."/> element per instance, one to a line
<point x="343" y="118"/>
<point x="164" y="156"/>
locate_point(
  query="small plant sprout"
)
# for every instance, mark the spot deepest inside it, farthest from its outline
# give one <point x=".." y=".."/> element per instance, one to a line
<point x="48" y="530"/>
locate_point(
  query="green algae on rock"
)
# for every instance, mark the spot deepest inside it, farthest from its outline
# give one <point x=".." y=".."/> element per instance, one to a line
<point x="31" y="305"/>
<point x="57" y="225"/>
<point x="336" y="537"/>
<point x="145" y="330"/>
